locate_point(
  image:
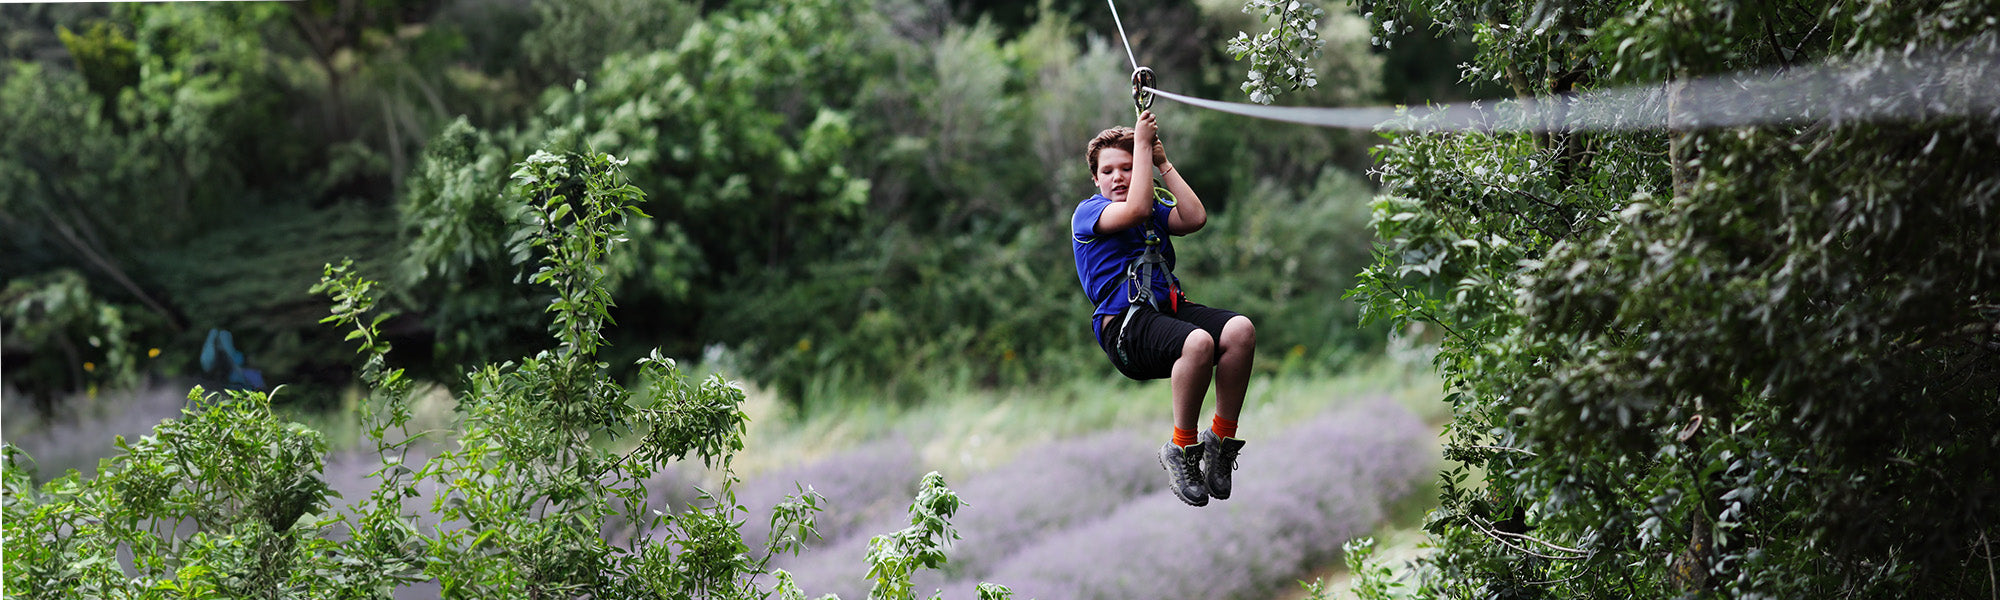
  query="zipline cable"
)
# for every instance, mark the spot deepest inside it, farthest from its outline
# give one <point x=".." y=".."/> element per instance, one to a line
<point x="1909" y="86"/>
<point x="1350" y="118"/>
<point x="1121" y="34"/>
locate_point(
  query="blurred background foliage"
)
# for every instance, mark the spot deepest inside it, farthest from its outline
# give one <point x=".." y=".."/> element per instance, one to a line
<point x="856" y="198"/>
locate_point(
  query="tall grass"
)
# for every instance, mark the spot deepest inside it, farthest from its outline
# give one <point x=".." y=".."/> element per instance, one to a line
<point x="970" y="430"/>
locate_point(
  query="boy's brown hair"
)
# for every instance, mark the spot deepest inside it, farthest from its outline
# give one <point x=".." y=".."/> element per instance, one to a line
<point x="1117" y="137"/>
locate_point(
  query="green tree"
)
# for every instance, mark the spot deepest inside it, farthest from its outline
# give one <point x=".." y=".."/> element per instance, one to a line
<point x="465" y="251"/>
<point x="255" y="140"/>
<point x="573" y="38"/>
<point x="740" y="131"/>
<point x="1754" y="361"/>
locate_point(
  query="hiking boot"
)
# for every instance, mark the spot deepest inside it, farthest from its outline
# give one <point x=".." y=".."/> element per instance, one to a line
<point x="1184" y="472"/>
<point x="1220" y="454"/>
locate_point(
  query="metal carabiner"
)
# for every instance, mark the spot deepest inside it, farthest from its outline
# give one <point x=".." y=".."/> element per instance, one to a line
<point x="1143" y="78"/>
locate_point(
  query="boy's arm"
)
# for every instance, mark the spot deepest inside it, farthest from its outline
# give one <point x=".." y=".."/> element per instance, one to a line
<point x="1138" y="204"/>
<point x="1189" y="215"/>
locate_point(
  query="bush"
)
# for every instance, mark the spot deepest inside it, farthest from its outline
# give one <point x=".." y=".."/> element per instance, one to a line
<point x="1751" y="362"/>
<point x="530" y="490"/>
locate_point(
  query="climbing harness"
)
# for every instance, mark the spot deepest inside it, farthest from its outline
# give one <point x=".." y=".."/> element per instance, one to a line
<point x="1152" y="264"/>
<point x="1139" y="276"/>
<point x="1140" y="273"/>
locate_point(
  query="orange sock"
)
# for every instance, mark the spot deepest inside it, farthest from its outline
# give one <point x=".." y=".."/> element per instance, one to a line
<point x="1224" y="428"/>
<point x="1183" y="437"/>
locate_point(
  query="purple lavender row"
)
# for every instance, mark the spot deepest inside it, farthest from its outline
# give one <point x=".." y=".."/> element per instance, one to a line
<point x="1052" y="488"/>
<point x="862" y="485"/>
<point x="1297" y="498"/>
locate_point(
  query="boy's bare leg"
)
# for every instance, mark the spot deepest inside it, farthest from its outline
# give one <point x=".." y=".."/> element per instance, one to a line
<point x="1191" y="375"/>
<point x="1232" y="371"/>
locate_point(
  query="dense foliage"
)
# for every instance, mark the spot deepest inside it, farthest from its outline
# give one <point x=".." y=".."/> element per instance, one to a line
<point x="195" y="165"/>
<point x="849" y="196"/>
<point x="229" y="500"/>
<point x="1749" y="362"/>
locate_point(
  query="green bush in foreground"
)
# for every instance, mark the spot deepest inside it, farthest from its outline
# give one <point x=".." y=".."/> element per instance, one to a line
<point x="228" y="501"/>
<point x="1746" y="362"/>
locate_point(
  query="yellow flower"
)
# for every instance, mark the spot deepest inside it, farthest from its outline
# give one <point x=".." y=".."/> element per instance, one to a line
<point x="90" y="366"/>
<point x="152" y="353"/>
<point x="805" y="345"/>
<point x="1007" y="356"/>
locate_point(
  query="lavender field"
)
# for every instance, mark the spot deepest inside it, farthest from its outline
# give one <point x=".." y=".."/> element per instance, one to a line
<point x="1090" y="517"/>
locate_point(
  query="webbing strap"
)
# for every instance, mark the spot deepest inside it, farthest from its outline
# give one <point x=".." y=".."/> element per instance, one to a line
<point x="1139" y="276"/>
<point x="1140" y="272"/>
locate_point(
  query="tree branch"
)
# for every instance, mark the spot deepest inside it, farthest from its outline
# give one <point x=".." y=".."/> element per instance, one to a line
<point x="1963" y="333"/>
<point x="1502" y="448"/>
<point x="1502" y="537"/>
<point x="1579" y="574"/>
<point x="1427" y="314"/>
<point x="104" y="264"/>
<point x="1992" y="583"/>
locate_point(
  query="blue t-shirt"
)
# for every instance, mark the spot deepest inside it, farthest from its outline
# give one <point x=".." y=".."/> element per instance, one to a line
<point x="1101" y="259"/>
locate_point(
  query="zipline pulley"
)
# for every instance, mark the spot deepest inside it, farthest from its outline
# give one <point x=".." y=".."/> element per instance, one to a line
<point x="1143" y="81"/>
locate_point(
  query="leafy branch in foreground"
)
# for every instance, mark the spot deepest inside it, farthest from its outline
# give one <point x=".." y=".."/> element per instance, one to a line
<point x="219" y="503"/>
<point x="1280" y="58"/>
<point x="543" y="493"/>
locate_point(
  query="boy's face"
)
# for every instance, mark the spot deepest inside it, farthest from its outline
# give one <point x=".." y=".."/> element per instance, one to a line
<point x="1114" y="173"/>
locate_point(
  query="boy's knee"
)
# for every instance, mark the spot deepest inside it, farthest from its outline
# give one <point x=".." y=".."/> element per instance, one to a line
<point x="1198" y="346"/>
<point x="1239" y="332"/>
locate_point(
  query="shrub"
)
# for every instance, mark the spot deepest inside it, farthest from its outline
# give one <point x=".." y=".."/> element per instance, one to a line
<point x="525" y="493"/>
<point x="243" y="482"/>
<point x="1752" y="361"/>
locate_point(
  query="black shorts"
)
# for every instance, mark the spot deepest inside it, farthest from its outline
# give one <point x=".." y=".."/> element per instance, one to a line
<point x="1154" y="340"/>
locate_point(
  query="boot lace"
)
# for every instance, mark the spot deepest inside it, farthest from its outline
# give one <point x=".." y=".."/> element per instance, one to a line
<point x="1191" y="464"/>
<point x="1227" y="457"/>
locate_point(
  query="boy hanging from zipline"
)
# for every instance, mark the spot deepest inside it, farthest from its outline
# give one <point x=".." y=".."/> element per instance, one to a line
<point x="1143" y="321"/>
